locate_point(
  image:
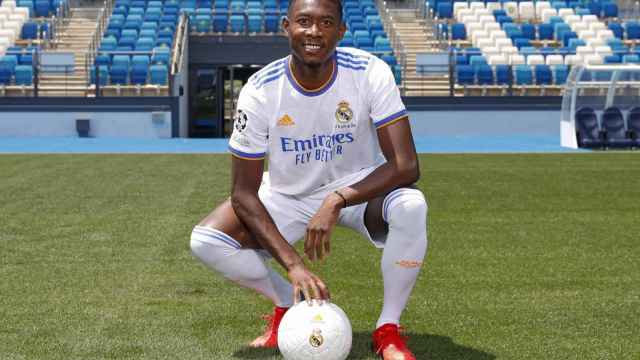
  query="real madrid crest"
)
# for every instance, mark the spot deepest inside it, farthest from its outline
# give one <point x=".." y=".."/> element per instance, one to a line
<point x="240" y="120"/>
<point x="344" y="114"/>
<point x="316" y="339"/>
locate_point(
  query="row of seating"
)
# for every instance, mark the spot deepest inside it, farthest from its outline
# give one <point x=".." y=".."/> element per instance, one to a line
<point x="484" y="74"/>
<point x="612" y="131"/>
<point x="526" y="10"/>
<point x="16" y="70"/>
<point x="131" y="70"/>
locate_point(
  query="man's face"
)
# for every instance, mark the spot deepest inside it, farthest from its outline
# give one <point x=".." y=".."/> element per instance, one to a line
<point x="314" y="27"/>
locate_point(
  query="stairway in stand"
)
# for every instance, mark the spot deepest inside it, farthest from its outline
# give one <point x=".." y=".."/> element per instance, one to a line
<point x="73" y="36"/>
<point x="416" y="36"/>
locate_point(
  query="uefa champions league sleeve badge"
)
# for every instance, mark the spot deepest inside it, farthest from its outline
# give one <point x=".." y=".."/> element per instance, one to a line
<point x="240" y="120"/>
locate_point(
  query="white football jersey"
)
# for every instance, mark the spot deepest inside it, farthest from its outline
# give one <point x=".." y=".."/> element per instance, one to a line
<point x="315" y="137"/>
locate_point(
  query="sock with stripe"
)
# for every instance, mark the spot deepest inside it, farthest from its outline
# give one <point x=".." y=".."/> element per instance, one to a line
<point x="247" y="267"/>
<point x="405" y="210"/>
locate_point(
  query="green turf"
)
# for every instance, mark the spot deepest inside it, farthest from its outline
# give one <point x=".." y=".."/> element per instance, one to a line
<point x="530" y="257"/>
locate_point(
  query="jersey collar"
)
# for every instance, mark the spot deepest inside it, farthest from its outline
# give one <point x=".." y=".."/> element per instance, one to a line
<point x="312" y="92"/>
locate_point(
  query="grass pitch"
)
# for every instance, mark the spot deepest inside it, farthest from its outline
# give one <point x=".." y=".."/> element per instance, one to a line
<point x="530" y="257"/>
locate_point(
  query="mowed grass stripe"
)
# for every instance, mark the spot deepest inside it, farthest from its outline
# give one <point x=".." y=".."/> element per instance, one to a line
<point x="530" y="256"/>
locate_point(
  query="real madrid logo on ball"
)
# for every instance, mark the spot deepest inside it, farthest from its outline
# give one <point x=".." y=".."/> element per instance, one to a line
<point x="344" y="114"/>
<point x="240" y="120"/>
<point x="316" y="338"/>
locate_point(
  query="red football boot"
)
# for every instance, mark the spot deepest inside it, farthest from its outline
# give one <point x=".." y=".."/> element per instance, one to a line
<point x="388" y="343"/>
<point x="270" y="337"/>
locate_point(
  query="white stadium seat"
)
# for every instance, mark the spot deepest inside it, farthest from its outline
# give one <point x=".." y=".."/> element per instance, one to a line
<point x="570" y="19"/>
<point x="2" y="50"/>
<point x="605" y="34"/>
<point x="603" y="51"/>
<point x="554" y="60"/>
<point x="9" y="4"/>
<point x="478" y="35"/>
<point x="22" y="10"/>
<point x="459" y="6"/>
<point x="590" y="18"/>
<point x="535" y="60"/>
<point x="468" y="18"/>
<point x="516" y="59"/>
<point x="593" y="59"/>
<point x="476" y="5"/>
<point x="490" y="51"/>
<point x="579" y="26"/>
<point x="486" y="19"/>
<point x="460" y="16"/>
<point x="5" y="11"/>
<point x="503" y="43"/>
<point x="526" y="10"/>
<point x="594" y="42"/>
<point x="541" y="5"/>
<point x="584" y="50"/>
<point x="473" y="27"/>
<point x="483" y="11"/>
<point x="597" y="25"/>
<point x="586" y="34"/>
<point x="483" y="43"/>
<point x="498" y="60"/>
<point x="4" y="42"/>
<point x="496" y="35"/>
<point x="508" y="51"/>
<point x="511" y="8"/>
<point x="494" y="6"/>
<point x="564" y="12"/>
<point x="573" y="60"/>
<point x="491" y="26"/>
<point x="547" y="14"/>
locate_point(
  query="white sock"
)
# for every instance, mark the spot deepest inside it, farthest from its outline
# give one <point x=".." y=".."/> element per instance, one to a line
<point x="405" y="210"/>
<point x="247" y="267"/>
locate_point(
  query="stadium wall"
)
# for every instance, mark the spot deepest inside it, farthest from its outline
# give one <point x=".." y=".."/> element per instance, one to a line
<point x="109" y="117"/>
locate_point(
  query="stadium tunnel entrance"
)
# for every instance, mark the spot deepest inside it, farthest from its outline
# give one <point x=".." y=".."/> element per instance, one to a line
<point x="216" y="77"/>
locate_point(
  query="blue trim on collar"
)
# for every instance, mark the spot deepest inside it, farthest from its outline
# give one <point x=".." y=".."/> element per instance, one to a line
<point x="306" y="92"/>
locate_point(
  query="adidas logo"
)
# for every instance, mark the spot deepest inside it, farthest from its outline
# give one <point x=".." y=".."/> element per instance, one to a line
<point x="285" y="121"/>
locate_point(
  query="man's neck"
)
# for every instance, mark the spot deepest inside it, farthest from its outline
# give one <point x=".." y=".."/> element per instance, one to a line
<point x="309" y="77"/>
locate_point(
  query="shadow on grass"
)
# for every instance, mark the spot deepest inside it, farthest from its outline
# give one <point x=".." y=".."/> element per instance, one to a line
<point x="424" y="346"/>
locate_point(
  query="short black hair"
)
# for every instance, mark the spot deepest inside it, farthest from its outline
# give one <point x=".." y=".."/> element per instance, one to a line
<point x="338" y="2"/>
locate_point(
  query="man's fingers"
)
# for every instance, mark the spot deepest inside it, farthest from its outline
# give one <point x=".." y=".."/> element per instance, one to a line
<point x="296" y="294"/>
<point x="319" y="250"/>
<point x="324" y="290"/>
<point x="327" y="244"/>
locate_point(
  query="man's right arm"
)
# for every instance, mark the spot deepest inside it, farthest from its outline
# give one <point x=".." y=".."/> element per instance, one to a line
<point x="246" y="180"/>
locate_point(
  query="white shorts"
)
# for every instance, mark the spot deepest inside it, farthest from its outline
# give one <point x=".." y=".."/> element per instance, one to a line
<point x="291" y="214"/>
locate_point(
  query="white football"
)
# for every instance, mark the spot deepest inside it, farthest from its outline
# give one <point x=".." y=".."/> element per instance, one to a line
<point x="320" y="331"/>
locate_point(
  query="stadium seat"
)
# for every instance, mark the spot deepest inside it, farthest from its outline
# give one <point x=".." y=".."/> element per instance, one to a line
<point x="523" y="75"/>
<point x="104" y="75"/>
<point x="161" y="55"/>
<point x="458" y="32"/>
<point x="613" y="129"/>
<point x="543" y="75"/>
<point x="633" y="30"/>
<point x="119" y="72"/>
<point x="633" y="125"/>
<point x="588" y="131"/>
<point x="465" y="75"/>
<point x="484" y="74"/>
<point x="610" y="10"/>
<point x="271" y="22"/>
<point x="560" y="73"/>
<point x="503" y="75"/>
<point x="159" y="74"/>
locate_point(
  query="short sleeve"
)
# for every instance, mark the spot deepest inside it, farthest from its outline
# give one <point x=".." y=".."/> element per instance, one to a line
<point x="250" y="127"/>
<point x="384" y="96"/>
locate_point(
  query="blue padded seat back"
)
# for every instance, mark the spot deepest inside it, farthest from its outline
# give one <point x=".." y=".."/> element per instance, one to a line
<point x="503" y="75"/>
<point x="159" y="74"/>
<point x="613" y="123"/>
<point x="523" y="75"/>
<point x="24" y="75"/>
<point x="587" y="127"/>
<point x="543" y="75"/>
<point x="560" y="74"/>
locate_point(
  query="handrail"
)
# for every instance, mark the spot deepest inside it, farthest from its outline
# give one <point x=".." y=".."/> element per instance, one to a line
<point x="178" y="47"/>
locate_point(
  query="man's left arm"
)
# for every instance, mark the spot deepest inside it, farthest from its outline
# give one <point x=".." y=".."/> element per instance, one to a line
<point x="401" y="169"/>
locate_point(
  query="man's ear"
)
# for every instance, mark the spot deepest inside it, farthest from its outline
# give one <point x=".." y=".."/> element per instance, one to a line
<point x="285" y="24"/>
<point x="342" y="28"/>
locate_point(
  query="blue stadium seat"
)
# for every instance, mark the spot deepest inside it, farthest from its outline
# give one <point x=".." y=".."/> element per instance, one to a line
<point x="465" y="75"/>
<point x="567" y="36"/>
<point x="523" y="75"/>
<point x="161" y="55"/>
<point x="633" y="125"/>
<point x="543" y="75"/>
<point x="545" y="31"/>
<point x="574" y="43"/>
<point x="220" y="22"/>
<point x="254" y="22"/>
<point x="103" y="59"/>
<point x="382" y="45"/>
<point x="109" y="44"/>
<point x="617" y="29"/>
<point x="120" y="69"/>
<point x="390" y="60"/>
<point x="444" y="10"/>
<point x="612" y="59"/>
<point x="484" y="74"/>
<point x="615" y="134"/>
<point x="237" y="23"/>
<point x="7" y="68"/>
<point x="476" y="61"/>
<point x="528" y="31"/>
<point x="104" y="75"/>
<point x="42" y="8"/>
<point x="271" y="21"/>
<point x="362" y="40"/>
<point x="595" y="8"/>
<point x="145" y="44"/>
<point x="633" y="30"/>
<point x="610" y="10"/>
<point x="503" y="75"/>
<point x="347" y="39"/>
<point x="631" y="59"/>
<point x="159" y="74"/>
<point x="587" y="128"/>
<point x="139" y="69"/>
<point x="560" y="74"/>
<point x="458" y="32"/>
<point x="30" y="30"/>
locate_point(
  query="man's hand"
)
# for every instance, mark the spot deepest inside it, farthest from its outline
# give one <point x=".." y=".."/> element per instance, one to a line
<point x="317" y="239"/>
<point x="311" y="285"/>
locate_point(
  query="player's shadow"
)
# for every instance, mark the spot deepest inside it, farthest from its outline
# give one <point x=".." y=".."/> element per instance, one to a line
<point x="424" y="346"/>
